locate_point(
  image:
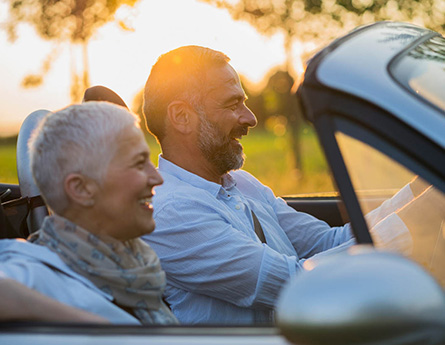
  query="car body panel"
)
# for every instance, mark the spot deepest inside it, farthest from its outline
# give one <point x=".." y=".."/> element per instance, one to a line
<point x="47" y="334"/>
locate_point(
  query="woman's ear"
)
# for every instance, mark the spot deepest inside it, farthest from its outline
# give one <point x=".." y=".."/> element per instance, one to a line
<point x="80" y="189"/>
<point x="181" y="116"/>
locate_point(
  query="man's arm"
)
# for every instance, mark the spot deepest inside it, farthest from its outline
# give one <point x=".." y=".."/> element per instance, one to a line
<point x="205" y="254"/>
<point x="309" y="236"/>
<point x="19" y="302"/>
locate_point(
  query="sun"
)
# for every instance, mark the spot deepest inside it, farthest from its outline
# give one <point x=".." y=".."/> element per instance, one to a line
<point x="122" y="59"/>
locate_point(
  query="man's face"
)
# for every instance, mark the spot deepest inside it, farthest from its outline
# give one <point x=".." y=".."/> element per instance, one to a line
<point x="224" y="120"/>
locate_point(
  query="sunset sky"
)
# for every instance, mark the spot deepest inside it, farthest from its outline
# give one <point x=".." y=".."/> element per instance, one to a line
<point x="122" y="60"/>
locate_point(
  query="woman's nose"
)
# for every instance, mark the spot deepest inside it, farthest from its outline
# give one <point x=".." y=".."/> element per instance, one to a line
<point x="154" y="177"/>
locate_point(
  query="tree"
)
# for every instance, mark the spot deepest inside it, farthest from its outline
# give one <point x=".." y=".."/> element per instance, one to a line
<point x="72" y="21"/>
<point x="285" y="105"/>
<point x="277" y="110"/>
<point x="321" y="20"/>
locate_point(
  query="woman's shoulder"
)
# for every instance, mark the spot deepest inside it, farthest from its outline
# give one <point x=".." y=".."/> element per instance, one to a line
<point x="29" y="263"/>
<point x="18" y="247"/>
<point x="31" y="258"/>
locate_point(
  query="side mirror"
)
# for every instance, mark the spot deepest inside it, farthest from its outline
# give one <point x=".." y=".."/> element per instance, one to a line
<point x="362" y="296"/>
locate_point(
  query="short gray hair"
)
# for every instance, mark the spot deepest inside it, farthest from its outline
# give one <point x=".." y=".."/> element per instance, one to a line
<point x="177" y="75"/>
<point x="81" y="138"/>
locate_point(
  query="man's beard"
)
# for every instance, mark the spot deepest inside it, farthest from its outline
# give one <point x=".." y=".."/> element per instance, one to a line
<point x="219" y="149"/>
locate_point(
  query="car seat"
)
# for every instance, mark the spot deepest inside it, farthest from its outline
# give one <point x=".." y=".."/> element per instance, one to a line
<point x="28" y="188"/>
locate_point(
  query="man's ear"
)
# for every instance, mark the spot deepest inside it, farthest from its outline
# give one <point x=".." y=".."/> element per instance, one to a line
<point x="181" y="116"/>
<point x="80" y="189"/>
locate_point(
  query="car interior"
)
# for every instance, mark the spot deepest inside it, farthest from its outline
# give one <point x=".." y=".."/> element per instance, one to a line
<point x="22" y="209"/>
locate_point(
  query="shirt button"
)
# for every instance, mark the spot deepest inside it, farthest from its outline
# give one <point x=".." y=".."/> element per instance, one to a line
<point x="238" y="207"/>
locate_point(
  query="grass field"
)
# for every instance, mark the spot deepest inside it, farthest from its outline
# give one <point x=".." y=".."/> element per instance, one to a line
<point x="268" y="158"/>
<point x="8" y="171"/>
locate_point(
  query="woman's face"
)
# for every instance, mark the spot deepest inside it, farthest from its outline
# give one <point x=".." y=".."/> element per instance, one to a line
<point x="123" y="203"/>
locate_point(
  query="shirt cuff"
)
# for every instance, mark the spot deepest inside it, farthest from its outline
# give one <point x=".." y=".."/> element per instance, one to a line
<point x="276" y="270"/>
<point x="392" y="234"/>
<point x="397" y="201"/>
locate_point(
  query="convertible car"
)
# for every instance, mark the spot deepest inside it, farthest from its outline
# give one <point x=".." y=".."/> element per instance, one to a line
<point x="376" y="98"/>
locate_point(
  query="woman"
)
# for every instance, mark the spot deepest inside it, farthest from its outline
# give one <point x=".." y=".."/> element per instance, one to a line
<point x="91" y="164"/>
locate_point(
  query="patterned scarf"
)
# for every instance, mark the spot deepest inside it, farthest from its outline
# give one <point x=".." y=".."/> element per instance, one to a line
<point x="130" y="271"/>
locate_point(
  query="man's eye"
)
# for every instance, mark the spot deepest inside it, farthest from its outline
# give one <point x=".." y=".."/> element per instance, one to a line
<point x="234" y="107"/>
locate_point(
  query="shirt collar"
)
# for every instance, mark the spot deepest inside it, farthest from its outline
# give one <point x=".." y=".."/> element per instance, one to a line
<point x="165" y="166"/>
<point x="228" y="181"/>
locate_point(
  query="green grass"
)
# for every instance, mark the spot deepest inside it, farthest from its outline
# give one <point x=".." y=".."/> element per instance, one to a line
<point x="269" y="158"/>
<point x="8" y="170"/>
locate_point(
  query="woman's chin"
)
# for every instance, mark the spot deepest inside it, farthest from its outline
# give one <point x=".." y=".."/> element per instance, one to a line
<point x="150" y="227"/>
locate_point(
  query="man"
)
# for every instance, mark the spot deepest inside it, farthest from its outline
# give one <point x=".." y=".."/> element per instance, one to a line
<point x="218" y="269"/>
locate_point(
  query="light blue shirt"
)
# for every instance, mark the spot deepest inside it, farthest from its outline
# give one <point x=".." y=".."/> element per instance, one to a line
<point x="40" y="269"/>
<point x="218" y="271"/>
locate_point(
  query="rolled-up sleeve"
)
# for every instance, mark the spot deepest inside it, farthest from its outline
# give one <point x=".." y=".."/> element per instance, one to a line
<point x="203" y="253"/>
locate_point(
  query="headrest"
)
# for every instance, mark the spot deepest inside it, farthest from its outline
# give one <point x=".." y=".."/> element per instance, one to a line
<point x="28" y="187"/>
<point x="102" y="93"/>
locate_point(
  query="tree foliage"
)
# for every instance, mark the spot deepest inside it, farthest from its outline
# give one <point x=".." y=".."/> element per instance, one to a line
<point x="322" y="20"/>
<point x="64" y="20"/>
<point x="72" y="21"/>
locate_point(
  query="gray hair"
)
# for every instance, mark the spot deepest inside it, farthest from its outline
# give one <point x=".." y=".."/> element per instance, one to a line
<point x="81" y="138"/>
<point x="177" y="75"/>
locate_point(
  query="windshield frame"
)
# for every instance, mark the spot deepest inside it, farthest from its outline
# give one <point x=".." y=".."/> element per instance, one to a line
<point x="374" y="126"/>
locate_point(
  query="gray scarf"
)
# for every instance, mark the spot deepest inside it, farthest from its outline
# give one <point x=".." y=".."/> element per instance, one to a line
<point x="130" y="271"/>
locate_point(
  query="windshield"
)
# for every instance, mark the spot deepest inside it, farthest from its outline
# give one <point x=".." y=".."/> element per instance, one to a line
<point x="404" y="213"/>
<point x="422" y="71"/>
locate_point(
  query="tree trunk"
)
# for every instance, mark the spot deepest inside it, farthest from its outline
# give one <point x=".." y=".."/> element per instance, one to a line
<point x="80" y="74"/>
<point x="294" y="117"/>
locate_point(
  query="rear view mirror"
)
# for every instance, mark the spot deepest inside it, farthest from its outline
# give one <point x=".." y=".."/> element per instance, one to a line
<point x="362" y="296"/>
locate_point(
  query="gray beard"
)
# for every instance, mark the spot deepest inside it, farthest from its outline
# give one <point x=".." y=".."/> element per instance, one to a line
<point x="223" y="153"/>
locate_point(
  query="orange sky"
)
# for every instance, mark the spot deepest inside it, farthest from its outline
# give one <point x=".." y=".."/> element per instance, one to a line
<point x="122" y="60"/>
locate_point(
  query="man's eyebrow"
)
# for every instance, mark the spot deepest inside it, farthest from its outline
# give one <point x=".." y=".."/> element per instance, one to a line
<point x="237" y="98"/>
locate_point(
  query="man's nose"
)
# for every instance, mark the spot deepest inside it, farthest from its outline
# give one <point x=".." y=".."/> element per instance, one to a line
<point x="247" y="117"/>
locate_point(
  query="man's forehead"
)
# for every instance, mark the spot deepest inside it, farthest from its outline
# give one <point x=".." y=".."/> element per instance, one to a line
<point x="222" y="77"/>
